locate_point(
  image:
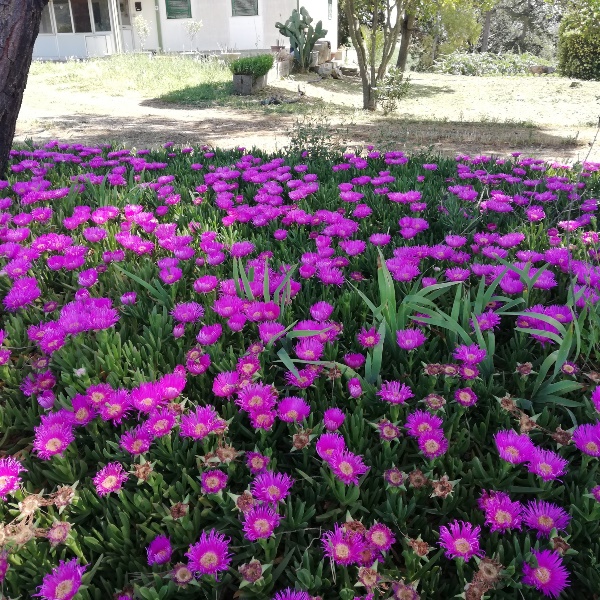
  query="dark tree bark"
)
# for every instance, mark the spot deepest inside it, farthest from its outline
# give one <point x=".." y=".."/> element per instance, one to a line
<point x="408" y="25"/>
<point x="485" y="38"/>
<point x="19" y="27"/>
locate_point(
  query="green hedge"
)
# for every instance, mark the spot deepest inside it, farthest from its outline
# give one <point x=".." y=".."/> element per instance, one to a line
<point x="579" y="41"/>
<point x="487" y="63"/>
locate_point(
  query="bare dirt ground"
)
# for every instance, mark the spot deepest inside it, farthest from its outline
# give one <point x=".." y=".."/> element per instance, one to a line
<point x="548" y="117"/>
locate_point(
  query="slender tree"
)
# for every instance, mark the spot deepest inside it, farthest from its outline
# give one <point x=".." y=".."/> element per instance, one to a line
<point x="385" y="16"/>
<point x="19" y="27"/>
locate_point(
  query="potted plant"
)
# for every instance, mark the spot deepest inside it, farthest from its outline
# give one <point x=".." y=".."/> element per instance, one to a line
<point x="250" y="73"/>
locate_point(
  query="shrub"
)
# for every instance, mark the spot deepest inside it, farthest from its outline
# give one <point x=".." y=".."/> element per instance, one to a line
<point x="486" y="63"/>
<point x="257" y="66"/>
<point x="579" y="41"/>
<point x="392" y="89"/>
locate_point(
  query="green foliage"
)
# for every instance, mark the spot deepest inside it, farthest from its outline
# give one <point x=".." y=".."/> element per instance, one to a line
<point x="392" y="89"/>
<point x="579" y="41"/>
<point x="303" y="36"/>
<point x="257" y="66"/>
<point x="486" y="63"/>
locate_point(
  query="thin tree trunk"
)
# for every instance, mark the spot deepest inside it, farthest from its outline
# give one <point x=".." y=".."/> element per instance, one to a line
<point x="19" y="27"/>
<point x="370" y="101"/>
<point x="485" y="39"/>
<point x="408" y="24"/>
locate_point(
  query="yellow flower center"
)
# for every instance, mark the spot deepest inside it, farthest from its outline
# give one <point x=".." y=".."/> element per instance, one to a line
<point x="431" y="446"/>
<point x="546" y="521"/>
<point x="346" y="468"/>
<point x="292" y="414"/>
<point x="462" y="546"/>
<point x="63" y="589"/>
<point x="53" y="444"/>
<point x="502" y="516"/>
<point x="342" y="551"/>
<point x="209" y="559"/>
<point x="379" y="538"/>
<point x="542" y="574"/>
<point x="161" y="425"/>
<point x="273" y="491"/>
<point x="261" y="525"/>
<point x="591" y="447"/>
<point x="109" y="482"/>
<point x="512" y="451"/>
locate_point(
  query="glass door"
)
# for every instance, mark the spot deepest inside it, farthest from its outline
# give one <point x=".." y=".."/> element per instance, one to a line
<point x="125" y="14"/>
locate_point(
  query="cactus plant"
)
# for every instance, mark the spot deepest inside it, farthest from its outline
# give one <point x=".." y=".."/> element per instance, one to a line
<point x="303" y="36"/>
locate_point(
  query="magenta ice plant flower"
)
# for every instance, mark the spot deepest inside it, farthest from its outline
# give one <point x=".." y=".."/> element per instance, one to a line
<point x="64" y="581"/>
<point x="547" y="573"/>
<point x="210" y="554"/>
<point x="460" y="540"/>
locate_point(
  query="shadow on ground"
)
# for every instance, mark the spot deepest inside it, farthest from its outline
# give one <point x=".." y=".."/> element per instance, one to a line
<point x="270" y="131"/>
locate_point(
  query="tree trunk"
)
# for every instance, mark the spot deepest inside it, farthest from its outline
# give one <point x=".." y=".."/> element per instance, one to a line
<point x="485" y="39"/>
<point x="19" y="27"/>
<point x="407" y="29"/>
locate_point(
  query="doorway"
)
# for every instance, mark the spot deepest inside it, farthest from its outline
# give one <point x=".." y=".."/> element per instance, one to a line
<point x="126" y="27"/>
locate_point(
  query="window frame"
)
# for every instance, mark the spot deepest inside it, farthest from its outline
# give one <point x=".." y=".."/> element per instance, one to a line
<point x="233" y="13"/>
<point x="189" y="15"/>
<point x="55" y="31"/>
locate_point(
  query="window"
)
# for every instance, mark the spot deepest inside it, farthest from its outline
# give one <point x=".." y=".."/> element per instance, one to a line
<point x="62" y="16"/>
<point x="46" y="22"/>
<point x="179" y="9"/>
<point x="81" y="16"/>
<point x="330" y="9"/>
<point x="245" y="8"/>
<point x="101" y="15"/>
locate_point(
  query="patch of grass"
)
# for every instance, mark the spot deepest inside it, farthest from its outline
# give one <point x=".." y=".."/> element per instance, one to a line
<point x="163" y="77"/>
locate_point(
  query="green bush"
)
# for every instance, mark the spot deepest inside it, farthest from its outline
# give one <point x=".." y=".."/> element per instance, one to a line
<point x="486" y="63"/>
<point x="257" y="66"/>
<point x="579" y="41"/>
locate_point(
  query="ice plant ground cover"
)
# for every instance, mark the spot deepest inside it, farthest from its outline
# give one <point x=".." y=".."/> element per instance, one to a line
<point x="230" y="374"/>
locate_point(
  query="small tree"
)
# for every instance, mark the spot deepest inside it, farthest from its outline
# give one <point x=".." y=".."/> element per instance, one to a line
<point x="386" y="17"/>
<point x="193" y="29"/>
<point x="142" y="29"/>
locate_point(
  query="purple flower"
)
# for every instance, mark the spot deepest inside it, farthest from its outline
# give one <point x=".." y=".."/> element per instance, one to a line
<point x="347" y="467"/>
<point x="409" y="339"/>
<point x="587" y="439"/>
<point x="342" y="547"/>
<point x="110" y="478"/>
<point x="433" y="443"/>
<point x="260" y="522"/>
<point x="543" y="517"/>
<point x="395" y="392"/>
<point x="63" y="583"/>
<point x="547" y="464"/>
<point x="421" y="422"/>
<point x="333" y="418"/>
<point x="465" y="397"/>
<point x="547" y="575"/>
<point x="380" y="537"/>
<point x="290" y="594"/>
<point x="213" y="481"/>
<point x="513" y="447"/>
<point x="293" y="409"/>
<point x="501" y="514"/>
<point x="159" y="551"/>
<point x="460" y="540"/>
<point x="187" y="312"/>
<point x="272" y="487"/>
<point x="9" y="476"/>
<point x="210" y="554"/>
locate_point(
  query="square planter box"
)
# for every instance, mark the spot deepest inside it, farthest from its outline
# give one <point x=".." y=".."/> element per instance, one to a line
<point x="246" y="84"/>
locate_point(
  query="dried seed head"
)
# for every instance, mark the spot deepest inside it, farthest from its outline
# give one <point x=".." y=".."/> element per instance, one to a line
<point x="251" y="571"/>
<point x="23" y="535"/>
<point x="227" y="454"/>
<point x="64" y="496"/>
<point x="420" y="547"/>
<point x="175" y="407"/>
<point x="301" y="440"/>
<point x="508" y="404"/>
<point x="526" y="423"/>
<point x="561" y="436"/>
<point x="476" y="590"/>
<point x="334" y="373"/>
<point x="179" y="510"/>
<point x="560" y="545"/>
<point x="30" y="504"/>
<point x="368" y="577"/>
<point x="417" y="479"/>
<point x="442" y="488"/>
<point x="432" y="369"/>
<point x="245" y="502"/>
<point x="524" y="369"/>
<point x="143" y="471"/>
<point x="490" y="571"/>
<point x="355" y="527"/>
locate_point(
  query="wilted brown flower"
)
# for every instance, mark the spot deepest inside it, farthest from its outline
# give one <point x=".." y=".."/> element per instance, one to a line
<point x="23" y="534"/>
<point x="58" y="533"/>
<point x="420" y="547"/>
<point x="432" y="369"/>
<point x="355" y="527"/>
<point x="245" y="502"/>
<point x="417" y="479"/>
<point x="508" y="404"/>
<point x="30" y="504"/>
<point x="442" y="488"/>
<point x="175" y="407"/>
<point x="368" y="577"/>
<point x="334" y="373"/>
<point x="64" y="496"/>
<point x="143" y="471"/>
<point x="179" y="510"/>
<point x="227" y="454"/>
<point x="490" y="571"/>
<point x="524" y="369"/>
<point x="560" y="545"/>
<point x="526" y="423"/>
<point x="301" y="439"/>
<point x="561" y="436"/>
<point x="251" y="571"/>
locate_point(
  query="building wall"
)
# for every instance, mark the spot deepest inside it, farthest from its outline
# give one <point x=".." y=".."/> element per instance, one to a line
<point x="149" y="13"/>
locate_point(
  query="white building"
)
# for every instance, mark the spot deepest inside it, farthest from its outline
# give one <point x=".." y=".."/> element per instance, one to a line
<point x="93" y="28"/>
